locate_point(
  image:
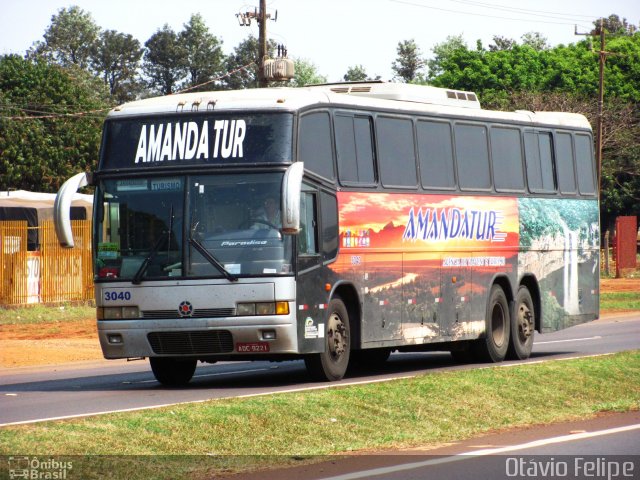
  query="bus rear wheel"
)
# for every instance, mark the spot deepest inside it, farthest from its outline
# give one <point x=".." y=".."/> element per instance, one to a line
<point x="493" y="347"/>
<point x="522" y="326"/>
<point x="172" y="372"/>
<point x="332" y="364"/>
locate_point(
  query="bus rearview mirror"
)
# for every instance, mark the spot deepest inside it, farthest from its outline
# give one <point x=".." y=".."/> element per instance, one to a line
<point x="62" y="207"/>
<point x="291" y="186"/>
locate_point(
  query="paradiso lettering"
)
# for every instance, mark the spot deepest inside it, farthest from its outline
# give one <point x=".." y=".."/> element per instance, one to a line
<point x="189" y="141"/>
<point x="442" y="224"/>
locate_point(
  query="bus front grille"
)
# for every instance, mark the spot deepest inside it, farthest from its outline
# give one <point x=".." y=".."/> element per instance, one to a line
<point x="197" y="313"/>
<point x="191" y="343"/>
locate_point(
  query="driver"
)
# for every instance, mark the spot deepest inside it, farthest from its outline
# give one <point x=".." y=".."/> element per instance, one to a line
<point x="270" y="213"/>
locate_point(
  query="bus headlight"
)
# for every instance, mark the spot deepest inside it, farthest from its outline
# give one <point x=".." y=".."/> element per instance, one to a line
<point x="117" y="313"/>
<point x="262" y="308"/>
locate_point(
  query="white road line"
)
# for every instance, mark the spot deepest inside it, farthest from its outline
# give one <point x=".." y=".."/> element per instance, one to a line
<point x="481" y="453"/>
<point x="569" y="340"/>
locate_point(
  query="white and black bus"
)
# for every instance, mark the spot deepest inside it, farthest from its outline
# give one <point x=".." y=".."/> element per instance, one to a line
<point x="337" y="223"/>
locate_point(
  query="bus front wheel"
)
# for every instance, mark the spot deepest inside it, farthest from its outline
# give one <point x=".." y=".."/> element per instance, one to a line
<point x="522" y="326"/>
<point x="331" y="364"/>
<point x="172" y="372"/>
<point x="493" y="347"/>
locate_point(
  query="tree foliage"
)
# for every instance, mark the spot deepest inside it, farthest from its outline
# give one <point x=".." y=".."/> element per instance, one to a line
<point x="116" y="57"/>
<point x="40" y="153"/>
<point x="409" y="63"/>
<point x="203" y="53"/>
<point x="306" y="73"/>
<point x="165" y="61"/>
<point x="70" y="38"/>
<point x="356" y="74"/>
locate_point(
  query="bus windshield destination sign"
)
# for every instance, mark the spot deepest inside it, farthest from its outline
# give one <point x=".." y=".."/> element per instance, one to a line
<point x="163" y="141"/>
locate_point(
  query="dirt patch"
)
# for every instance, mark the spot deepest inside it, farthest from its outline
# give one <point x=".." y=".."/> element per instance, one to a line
<point x="62" y="342"/>
<point x="613" y="285"/>
<point x="49" y="343"/>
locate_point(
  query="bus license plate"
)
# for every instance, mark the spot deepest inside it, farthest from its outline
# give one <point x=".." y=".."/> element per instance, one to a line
<point x="257" y="347"/>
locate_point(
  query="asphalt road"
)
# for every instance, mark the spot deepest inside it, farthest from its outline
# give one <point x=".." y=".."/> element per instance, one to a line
<point x="37" y="394"/>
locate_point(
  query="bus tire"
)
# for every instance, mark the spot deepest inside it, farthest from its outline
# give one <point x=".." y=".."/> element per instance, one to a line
<point x="172" y="372"/>
<point x="332" y="364"/>
<point x="495" y="343"/>
<point x="523" y="323"/>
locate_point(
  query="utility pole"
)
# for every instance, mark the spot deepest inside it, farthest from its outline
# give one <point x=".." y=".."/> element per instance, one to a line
<point x="261" y="17"/>
<point x="599" y="119"/>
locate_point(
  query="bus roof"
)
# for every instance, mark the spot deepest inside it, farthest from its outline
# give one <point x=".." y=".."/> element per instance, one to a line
<point x="383" y="96"/>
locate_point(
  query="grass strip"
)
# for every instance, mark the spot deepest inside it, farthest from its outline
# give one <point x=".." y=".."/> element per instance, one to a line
<point x="37" y="314"/>
<point x="430" y="409"/>
<point x="620" y="301"/>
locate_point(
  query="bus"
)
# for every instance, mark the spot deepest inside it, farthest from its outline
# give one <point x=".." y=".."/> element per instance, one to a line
<point x="337" y="223"/>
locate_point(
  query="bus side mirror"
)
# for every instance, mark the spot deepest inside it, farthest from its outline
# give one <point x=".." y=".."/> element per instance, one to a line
<point x="291" y="186"/>
<point x="62" y="207"/>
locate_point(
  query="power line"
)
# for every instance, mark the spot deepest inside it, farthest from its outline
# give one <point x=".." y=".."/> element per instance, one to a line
<point x="474" y="14"/>
<point x="228" y="74"/>
<point x="526" y="11"/>
<point x="58" y="115"/>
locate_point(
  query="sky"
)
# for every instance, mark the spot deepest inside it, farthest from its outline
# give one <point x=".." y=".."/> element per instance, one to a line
<point x="332" y="34"/>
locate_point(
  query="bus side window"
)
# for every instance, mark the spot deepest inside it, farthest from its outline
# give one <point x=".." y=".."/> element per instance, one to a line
<point x="329" y="222"/>
<point x="354" y="148"/>
<point x="315" y="147"/>
<point x="436" y="155"/>
<point x="584" y="163"/>
<point x="566" y="174"/>
<point x="538" y="154"/>
<point x="396" y="152"/>
<point x="472" y="155"/>
<point x="307" y="238"/>
<point x="506" y="155"/>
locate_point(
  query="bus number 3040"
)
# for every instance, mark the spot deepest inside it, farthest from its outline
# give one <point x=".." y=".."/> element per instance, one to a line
<point x="112" y="296"/>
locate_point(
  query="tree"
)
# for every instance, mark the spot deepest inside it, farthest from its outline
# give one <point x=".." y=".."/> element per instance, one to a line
<point x="245" y="55"/>
<point x="442" y="52"/>
<point x="204" y="56"/>
<point x="70" y="39"/>
<point x="535" y="40"/>
<point x="51" y="123"/>
<point x="116" y="58"/>
<point x="356" y="74"/>
<point x="501" y="43"/>
<point x="165" y="61"/>
<point x="409" y="62"/>
<point x="306" y="73"/>
<point x="613" y="24"/>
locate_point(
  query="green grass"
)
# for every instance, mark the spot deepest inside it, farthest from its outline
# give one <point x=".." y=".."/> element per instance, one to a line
<point x="233" y="434"/>
<point x="620" y="301"/>
<point x="44" y="314"/>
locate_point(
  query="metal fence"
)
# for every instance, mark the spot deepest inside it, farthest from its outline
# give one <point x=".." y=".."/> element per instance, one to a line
<point x="48" y="274"/>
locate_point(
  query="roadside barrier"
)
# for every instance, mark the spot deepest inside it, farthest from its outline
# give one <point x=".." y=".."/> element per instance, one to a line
<point x="35" y="269"/>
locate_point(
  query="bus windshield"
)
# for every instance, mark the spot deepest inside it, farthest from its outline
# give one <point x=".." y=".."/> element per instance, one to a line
<point x="201" y="226"/>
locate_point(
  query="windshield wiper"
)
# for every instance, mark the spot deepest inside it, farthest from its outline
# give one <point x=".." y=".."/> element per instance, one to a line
<point x="212" y="260"/>
<point x="137" y="278"/>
